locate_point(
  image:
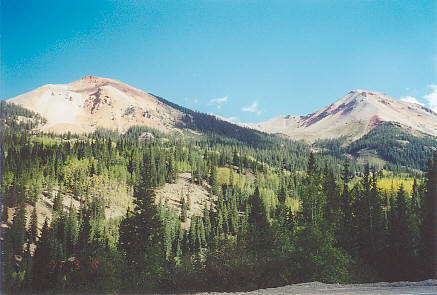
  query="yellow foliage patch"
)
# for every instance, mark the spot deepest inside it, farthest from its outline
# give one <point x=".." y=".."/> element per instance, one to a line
<point x="392" y="184"/>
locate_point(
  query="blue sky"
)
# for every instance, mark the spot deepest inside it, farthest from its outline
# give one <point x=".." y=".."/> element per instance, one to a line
<point x="247" y="60"/>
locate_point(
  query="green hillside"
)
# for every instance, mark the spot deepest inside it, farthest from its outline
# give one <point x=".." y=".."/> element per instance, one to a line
<point x="396" y="148"/>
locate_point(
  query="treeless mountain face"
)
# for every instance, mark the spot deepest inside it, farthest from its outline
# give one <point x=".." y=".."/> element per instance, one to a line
<point x="91" y="102"/>
<point x="353" y="116"/>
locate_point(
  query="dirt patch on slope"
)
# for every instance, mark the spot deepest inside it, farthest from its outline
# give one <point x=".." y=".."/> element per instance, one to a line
<point x="172" y="193"/>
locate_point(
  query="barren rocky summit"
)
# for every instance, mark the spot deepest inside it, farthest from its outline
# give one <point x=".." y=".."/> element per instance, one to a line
<point x="354" y="115"/>
<point x="91" y="102"/>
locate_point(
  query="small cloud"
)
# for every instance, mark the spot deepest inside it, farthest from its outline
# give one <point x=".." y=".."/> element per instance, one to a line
<point x="432" y="98"/>
<point x="196" y="101"/>
<point x="219" y="101"/>
<point x="411" y="99"/>
<point x="233" y="119"/>
<point x="253" y="108"/>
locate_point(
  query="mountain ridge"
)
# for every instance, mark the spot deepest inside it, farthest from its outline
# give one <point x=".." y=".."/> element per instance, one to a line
<point x="82" y="106"/>
<point x="90" y="102"/>
<point x="353" y="116"/>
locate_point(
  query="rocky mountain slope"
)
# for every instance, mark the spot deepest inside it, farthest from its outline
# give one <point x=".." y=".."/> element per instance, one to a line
<point x="91" y="102"/>
<point x="353" y="116"/>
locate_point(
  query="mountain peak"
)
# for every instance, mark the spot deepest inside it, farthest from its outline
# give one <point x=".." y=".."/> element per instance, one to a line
<point x="91" y="77"/>
<point x="365" y="92"/>
<point x="359" y="96"/>
<point x="365" y="95"/>
<point x="90" y="102"/>
<point x="354" y="115"/>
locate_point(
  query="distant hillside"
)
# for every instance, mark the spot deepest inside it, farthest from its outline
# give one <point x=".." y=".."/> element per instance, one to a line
<point x="17" y="117"/>
<point x="214" y="125"/>
<point x="389" y="144"/>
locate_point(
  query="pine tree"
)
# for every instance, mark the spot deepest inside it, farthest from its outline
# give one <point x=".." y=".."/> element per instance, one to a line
<point x="188" y="201"/>
<point x="71" y="230"/>
<point x="313" y="201"/>
<point x="282" y="194"/>
<point x="363" y="213"/>
<point x="415" y="201"/>
<point x="145" y="250"/>
<point x="403" y="237"/>
<point x="282" y="232"/>
<point x="236" y="159"/>
<point x="194" y="242"/>
<point x="183" y="210"/>
<point x="207" y="223"/>
<point x="126" y="241"/>
<point x="331" y="191"/>
<point x="17" y="232"/>
<point x="41" y="277"/>
<point x="429" y="224"/>
<point x="259" y="227"/>
<point x="133" y="161"/>
<point x="414" y="221"/>
<point x="58" y="202"/>
<point x="33" y="228"/>
<point x="213" y="181"/>
<point x="83" y="243"/>
<point x="171" y="169"/>
<point x="198" y="176"/>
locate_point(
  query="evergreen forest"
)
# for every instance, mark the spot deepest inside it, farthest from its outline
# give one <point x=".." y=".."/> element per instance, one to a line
<point x="277" y="211"/>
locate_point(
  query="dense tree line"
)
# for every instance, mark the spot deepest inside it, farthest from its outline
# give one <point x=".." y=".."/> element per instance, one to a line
<point x="401" y="149"/>
<point x="397" y="146"/>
